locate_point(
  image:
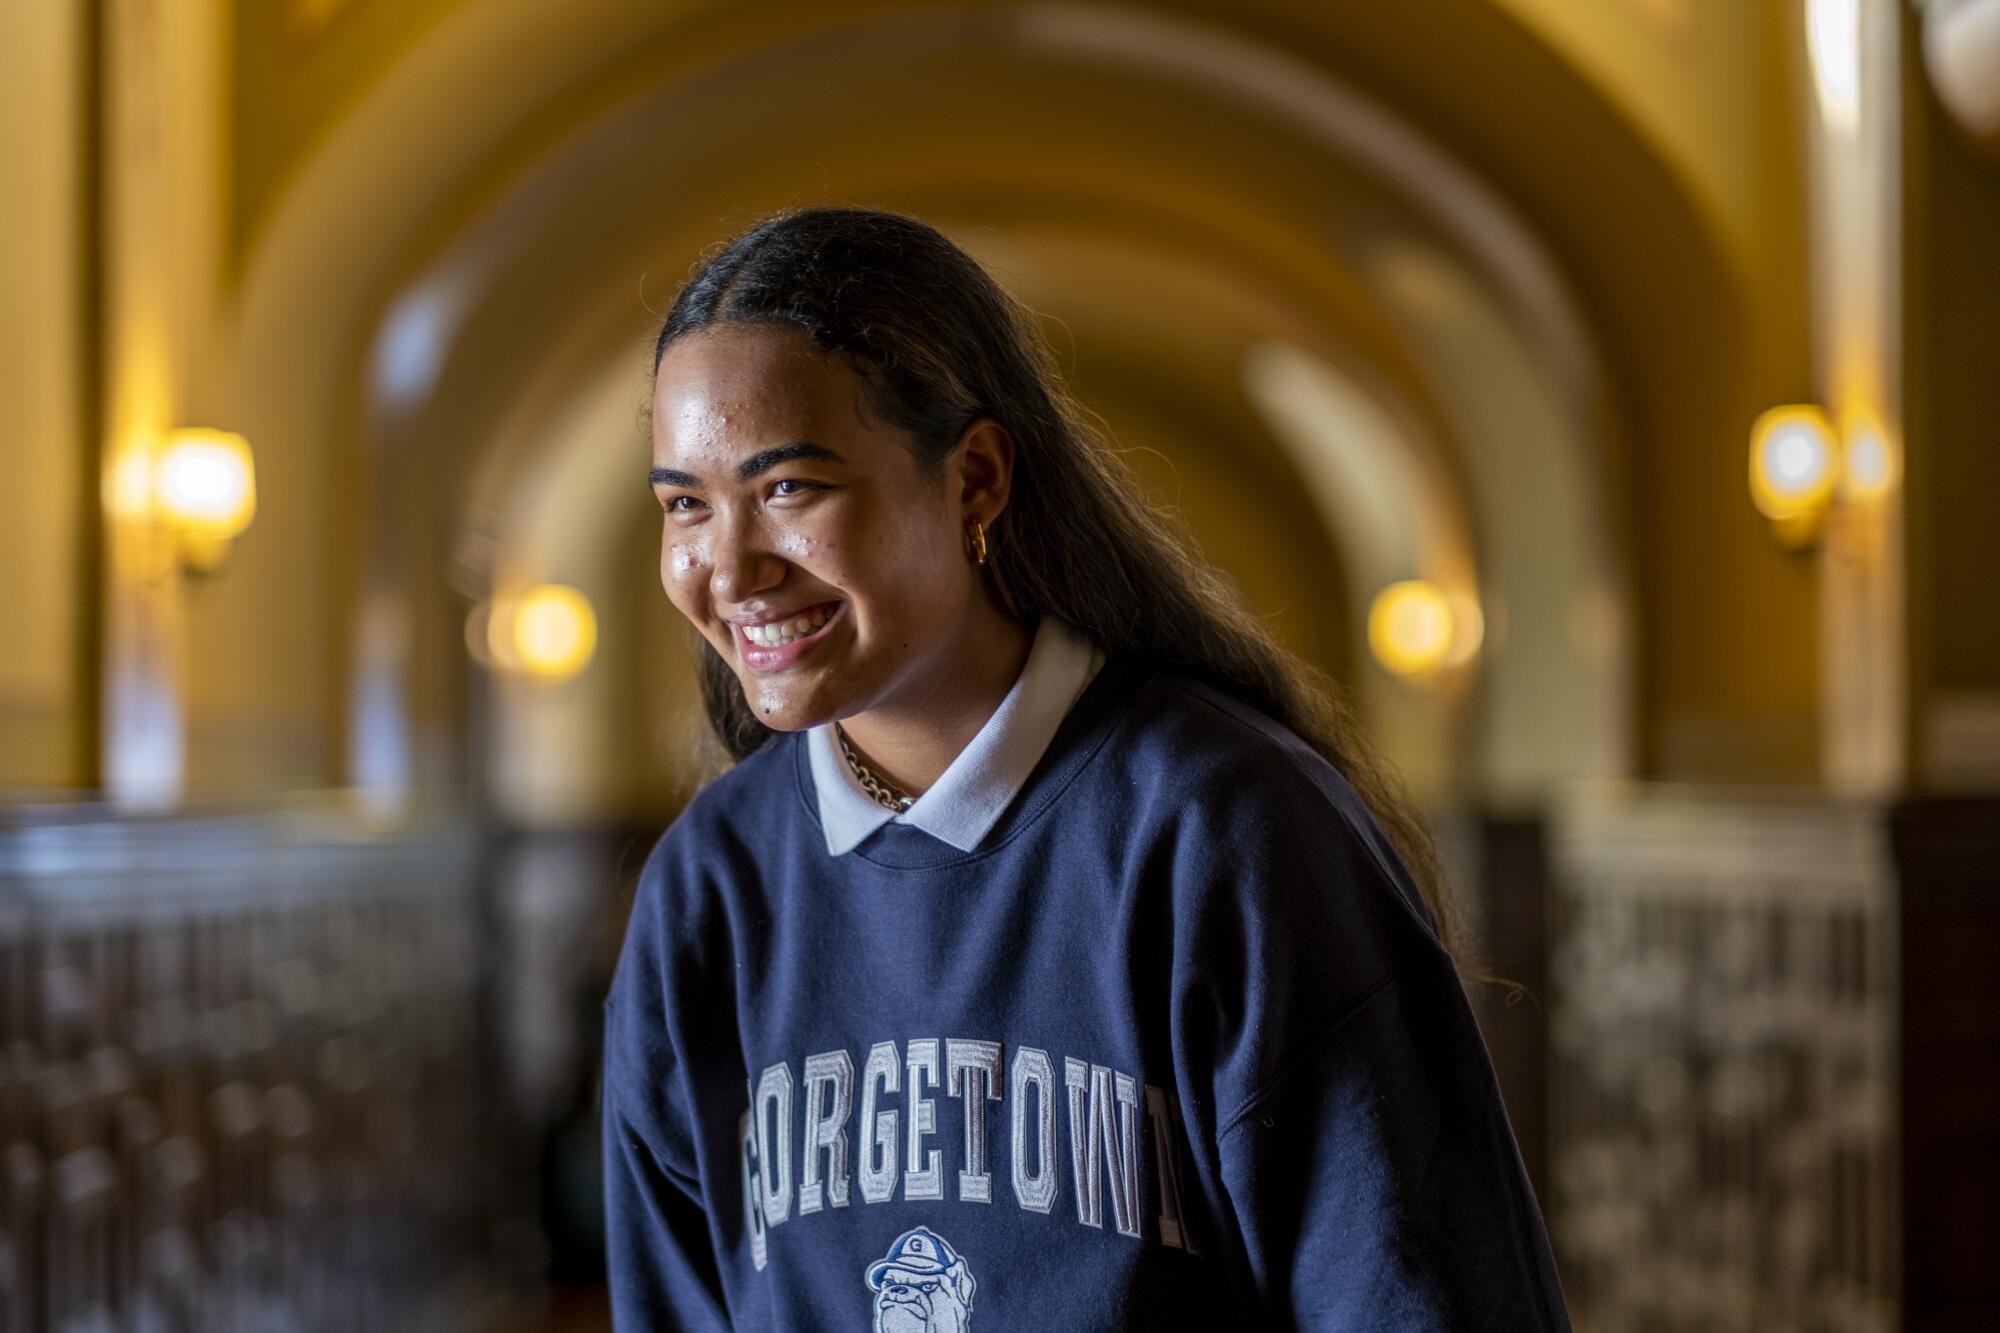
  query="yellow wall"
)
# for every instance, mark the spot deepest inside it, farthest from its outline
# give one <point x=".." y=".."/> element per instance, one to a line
<point x="1690" y="257"/>
<point x="1690" y="75"/>
<point x="301" y="64"/>
<point x="44" y="707"/>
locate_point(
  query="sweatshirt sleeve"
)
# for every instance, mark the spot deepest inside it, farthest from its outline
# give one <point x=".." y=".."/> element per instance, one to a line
<point x="659" y="1259"/>
<point x="1365" y="1174"/>
<point x="1377" y="1184"/>
<point x="660" y="1237"/>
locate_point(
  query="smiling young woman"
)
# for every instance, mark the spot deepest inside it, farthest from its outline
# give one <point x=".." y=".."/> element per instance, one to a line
<point x="1028" y="818"/>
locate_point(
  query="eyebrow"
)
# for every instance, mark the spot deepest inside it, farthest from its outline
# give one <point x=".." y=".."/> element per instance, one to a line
<point x="761" y="461"/>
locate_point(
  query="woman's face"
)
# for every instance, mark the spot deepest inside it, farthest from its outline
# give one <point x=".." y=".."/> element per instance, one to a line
<point x="798" y="533"/>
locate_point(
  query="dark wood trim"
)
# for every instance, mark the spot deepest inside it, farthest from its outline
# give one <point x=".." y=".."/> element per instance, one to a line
<point x="1947" y="853"/>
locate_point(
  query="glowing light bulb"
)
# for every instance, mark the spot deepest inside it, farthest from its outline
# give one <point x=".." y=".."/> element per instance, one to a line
<point x="551" y="632"/>
<point x="205" y="489"/>
<point x="204" y="479"/>
<point x="1791" y="462"/>
<point x="1410" y="627"/>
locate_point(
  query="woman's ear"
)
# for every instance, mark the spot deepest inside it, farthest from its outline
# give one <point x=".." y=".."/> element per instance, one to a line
<point x="986" y="469"/>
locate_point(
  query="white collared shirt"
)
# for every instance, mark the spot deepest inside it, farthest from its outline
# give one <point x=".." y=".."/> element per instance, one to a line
<point x="976" y="788"/>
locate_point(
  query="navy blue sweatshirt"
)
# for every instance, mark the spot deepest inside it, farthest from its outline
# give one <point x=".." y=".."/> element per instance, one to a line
<point x="1175" y="1047"/>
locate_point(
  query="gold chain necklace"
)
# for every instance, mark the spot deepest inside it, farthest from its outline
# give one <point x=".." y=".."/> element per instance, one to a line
<point x="882" y="792"/>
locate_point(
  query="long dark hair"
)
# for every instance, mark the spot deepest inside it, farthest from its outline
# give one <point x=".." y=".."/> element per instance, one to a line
<point x="938" y="344"/>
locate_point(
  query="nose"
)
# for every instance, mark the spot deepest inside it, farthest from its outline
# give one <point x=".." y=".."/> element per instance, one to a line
<point x="742" y="563"/>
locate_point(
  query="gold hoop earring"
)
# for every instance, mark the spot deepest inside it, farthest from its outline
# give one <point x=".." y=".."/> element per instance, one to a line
<point x="978" y="540"/>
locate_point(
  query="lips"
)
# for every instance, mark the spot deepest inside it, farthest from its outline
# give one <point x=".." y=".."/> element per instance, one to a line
<point x="778" y="657"/>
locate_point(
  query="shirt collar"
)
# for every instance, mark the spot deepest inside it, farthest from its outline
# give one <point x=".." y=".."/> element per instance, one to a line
<point x="976" y="788"/>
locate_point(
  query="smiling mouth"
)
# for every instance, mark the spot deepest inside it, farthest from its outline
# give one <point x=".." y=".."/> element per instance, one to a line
<point x="782" y="643"/>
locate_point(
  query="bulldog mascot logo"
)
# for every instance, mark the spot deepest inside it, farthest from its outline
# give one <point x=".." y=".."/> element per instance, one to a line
<point x="921" y="1286"/>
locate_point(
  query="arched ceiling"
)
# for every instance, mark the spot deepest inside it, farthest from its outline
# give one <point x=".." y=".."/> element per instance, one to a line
<point x="456" y="231"/>
<point x="1683" y="76"/>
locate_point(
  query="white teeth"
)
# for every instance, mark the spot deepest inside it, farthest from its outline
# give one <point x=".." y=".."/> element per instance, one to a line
<point x="784" y="631"/>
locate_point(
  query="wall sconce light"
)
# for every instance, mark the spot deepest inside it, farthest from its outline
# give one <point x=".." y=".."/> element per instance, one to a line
<point x="205" y="492"/>
<point x="1792" y="471"/>
<point x="548" y="633"/>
